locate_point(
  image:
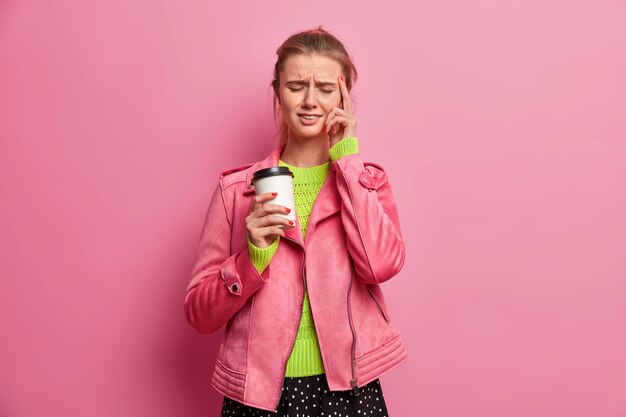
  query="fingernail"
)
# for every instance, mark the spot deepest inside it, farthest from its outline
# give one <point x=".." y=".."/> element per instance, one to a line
<point x="288" y="210"/>
<point x="291" y="222"/>
<point x="274" y="193"/>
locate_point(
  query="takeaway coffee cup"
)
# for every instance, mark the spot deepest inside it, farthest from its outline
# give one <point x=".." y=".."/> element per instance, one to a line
<point x="279" y="180"/>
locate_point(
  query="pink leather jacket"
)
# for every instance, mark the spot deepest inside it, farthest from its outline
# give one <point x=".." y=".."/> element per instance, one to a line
<point x="353" y="244"/>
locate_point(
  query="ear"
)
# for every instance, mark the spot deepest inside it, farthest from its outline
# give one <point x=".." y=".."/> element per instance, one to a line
<point x="277" y="94"/>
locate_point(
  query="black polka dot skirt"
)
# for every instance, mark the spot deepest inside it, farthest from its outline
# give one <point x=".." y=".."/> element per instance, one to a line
<point x="310" y="396"/>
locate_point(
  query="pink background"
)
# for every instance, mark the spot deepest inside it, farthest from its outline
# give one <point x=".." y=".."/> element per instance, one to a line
<point x="501" y="125"/>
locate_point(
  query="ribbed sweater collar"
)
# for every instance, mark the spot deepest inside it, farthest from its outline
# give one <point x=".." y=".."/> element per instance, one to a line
<point x="314" y="174"/>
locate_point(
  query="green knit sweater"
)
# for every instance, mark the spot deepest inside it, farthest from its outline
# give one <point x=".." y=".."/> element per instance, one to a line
<point x="305" y="358"/>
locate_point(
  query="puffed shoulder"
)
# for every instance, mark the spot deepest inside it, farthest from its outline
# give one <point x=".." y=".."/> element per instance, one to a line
<point x="233" y="175"/>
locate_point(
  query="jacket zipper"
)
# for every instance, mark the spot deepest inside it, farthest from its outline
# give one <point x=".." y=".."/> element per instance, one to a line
<point x="301" y="307"/>
<point x="377" y="305"/>
<point x="355" y="386"/>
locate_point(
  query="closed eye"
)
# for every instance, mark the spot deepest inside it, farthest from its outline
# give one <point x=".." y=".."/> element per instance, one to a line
<point x="298" y="89"/>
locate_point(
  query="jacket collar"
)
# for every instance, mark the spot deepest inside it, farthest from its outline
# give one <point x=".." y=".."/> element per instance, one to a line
<point x="326" y="203"/>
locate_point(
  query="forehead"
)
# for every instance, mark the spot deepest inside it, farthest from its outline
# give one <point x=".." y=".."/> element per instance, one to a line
<point x="298" y="67"/>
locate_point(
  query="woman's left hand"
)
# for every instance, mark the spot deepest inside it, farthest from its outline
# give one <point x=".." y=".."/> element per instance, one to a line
<point x="341" y="123"/>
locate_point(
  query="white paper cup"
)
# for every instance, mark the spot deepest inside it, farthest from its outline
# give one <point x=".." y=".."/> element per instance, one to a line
<point x="279" y="180"/>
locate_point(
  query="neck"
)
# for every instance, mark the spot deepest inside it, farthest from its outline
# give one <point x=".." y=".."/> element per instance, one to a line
<point x="306" y="152"/>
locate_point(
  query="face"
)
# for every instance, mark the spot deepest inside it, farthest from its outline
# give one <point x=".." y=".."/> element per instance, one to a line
<point x="308" y="85"/>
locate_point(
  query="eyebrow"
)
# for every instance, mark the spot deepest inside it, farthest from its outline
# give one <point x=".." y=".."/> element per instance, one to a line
<point x="304" y="82"/>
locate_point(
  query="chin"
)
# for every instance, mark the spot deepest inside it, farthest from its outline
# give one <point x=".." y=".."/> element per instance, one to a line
<point x="312" y="132"/>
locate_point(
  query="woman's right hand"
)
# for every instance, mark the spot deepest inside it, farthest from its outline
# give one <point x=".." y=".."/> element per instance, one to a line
<point x="261" y="222"/>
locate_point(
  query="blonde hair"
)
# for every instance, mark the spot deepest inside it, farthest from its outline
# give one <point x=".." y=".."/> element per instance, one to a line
<point x="317" y="41"/>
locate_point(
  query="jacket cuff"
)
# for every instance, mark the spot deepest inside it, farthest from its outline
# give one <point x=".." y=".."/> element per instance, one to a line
<point x="240" y="277"/>
<point x="345" y="146"/>
<point x="261" y="257"/>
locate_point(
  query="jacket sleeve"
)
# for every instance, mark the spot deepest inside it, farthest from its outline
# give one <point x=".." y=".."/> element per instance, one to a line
<point x="370" y="217"/>
<point x="220" y="282"/>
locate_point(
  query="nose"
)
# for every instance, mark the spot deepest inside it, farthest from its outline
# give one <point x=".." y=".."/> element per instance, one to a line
<point x="310" y="98"/>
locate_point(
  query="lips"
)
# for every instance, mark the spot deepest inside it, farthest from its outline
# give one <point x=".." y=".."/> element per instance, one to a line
<point x="309" y="121"/>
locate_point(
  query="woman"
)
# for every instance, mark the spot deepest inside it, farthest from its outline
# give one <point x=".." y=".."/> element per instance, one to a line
<point x="308" y="332"/>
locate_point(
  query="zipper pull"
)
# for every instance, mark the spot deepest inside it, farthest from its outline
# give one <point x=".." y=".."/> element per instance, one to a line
<point x="355" y="387"/>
